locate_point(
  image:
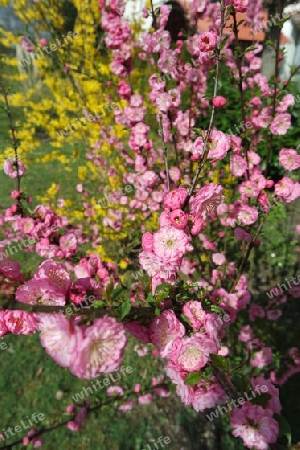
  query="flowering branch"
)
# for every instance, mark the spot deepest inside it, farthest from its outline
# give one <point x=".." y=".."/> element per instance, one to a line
<point x="215" y="91"/>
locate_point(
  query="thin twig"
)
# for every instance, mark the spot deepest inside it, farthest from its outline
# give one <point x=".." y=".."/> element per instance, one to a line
<point x="13" y="132"/>
<point x="161" y="132"/>
<point x="239" y="60"/>
<point x="273" y="112"/>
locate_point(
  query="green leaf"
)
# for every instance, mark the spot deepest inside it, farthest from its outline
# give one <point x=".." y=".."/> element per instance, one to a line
<point x="118" y="291"/>
<point x="219" y="362"/>
<point x="150" y="299"/>
<point x="97" y="304"/>
<point x="185" y="319"/>
<point x="125" y="308"/>
<point x="284" y="428"/>
<point x="192" y="379"/>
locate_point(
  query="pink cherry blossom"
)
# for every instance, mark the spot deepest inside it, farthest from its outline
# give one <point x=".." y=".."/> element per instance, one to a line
<point x="175" y="199"/>
<point x="20" y="322"/>
<point x="40" y="292"/>
<point x="254" y="425"/>
<point x="289" y="159"/>
<point x="101" y="349"/>
<point x="164" y="329"/>
<point x="10" y="169"/>
<point x="219" y="259"/>
<point x="206" y="199"/>
<point x="281" y="124"/>
<point x="194" y="312"/>
<point x="208" y="41"/>
<point x="170" y="243"/>
<point x="192" y="353"/>
<point x="59" y="337"/>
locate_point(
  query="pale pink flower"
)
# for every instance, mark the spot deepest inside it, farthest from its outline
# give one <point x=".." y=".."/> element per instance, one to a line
<point x="194" y="312"/>
<point x="254" y="425"/>
<point x="206" y="199"/>
<point x="246" y="333"/>
<point x="26" y="225"/>
<point x="281" y="124"/>
<point x="192" y="353"/>
<point x="174" y="174"/>
<point x="59" y="337"/>
<point x="40" y="292"/>
<point x="262" y="358"/>
<point x="114" y="390"/>
<point x="170" y="243"/>
<point x="238" y="165"/>
<point x="274" y="402"/>
<point x="101" y="349"/>
<point x="219" y="144"/>
<point x="55" y="273"/>
<point x="145" y="399"/>
<point x="20" y="322"/>
<point x="287" y="190"/>
<point x="219" y="259"/>
<point x="126" y="406"/>
<point x="164" y="330"/>
<point x="159" y="267"/>
<point x="10" y="169"/>
<point x="247" y="215"/>
<point x="289" y="159"/>
<point x="68" y="243"/>
<point x="208" y="396"/>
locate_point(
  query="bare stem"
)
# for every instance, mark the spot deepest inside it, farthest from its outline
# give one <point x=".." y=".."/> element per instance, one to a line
<point x="13" y="132"/>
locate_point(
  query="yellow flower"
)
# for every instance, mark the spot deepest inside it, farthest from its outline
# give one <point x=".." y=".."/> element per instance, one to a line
<point x="123" y="264"/>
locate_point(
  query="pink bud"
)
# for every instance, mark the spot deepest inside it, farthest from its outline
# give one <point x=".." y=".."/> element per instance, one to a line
<point x="70" y="409"/>
<point x="43" y="42"/>
<point x="147" y="242"/>
<point x="219" y="101"/>
<point x="14" y="208"/>
<point x="15" y="194"/>
<point x="137" y="388"/>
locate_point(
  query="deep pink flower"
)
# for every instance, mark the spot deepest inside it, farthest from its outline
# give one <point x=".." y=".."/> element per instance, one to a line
<point x="179" y="219"/>
<point x="219" y="101"/>
<point x="240" y="5"/>
<point x="208" y="41"/>
<point x="20" y="322"/>
<point x="3" y="326"/>
<point x="175" y="199"/>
